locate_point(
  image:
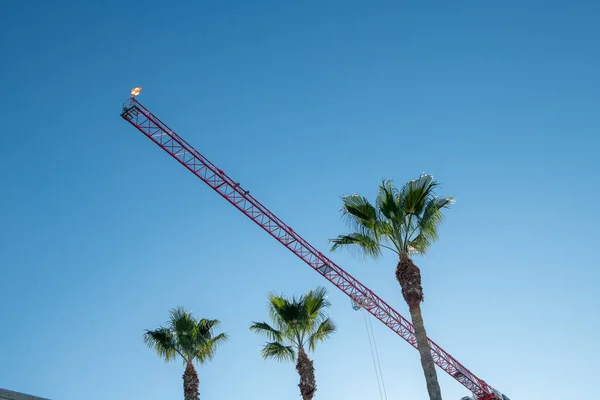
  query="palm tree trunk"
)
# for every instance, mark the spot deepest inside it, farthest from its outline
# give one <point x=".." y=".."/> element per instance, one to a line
<point x="433" y="386"/>
<point x="409" y="277"/>
<point x="306" y="370"/>
<point x="190" y="383"/>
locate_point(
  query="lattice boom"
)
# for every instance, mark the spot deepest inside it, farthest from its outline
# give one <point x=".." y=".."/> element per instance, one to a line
<point x="178" y="148"/>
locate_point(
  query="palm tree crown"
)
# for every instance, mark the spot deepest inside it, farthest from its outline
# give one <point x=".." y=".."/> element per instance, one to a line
<point x="403" y="220"/>
<point x="298" y="323"/>
<point x="191" y="339"/>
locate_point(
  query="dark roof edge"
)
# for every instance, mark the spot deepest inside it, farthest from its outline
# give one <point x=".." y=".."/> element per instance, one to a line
<point x="9" y="394"/>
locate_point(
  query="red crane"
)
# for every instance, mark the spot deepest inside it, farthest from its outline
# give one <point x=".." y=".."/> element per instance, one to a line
<point x="151" y="126"/>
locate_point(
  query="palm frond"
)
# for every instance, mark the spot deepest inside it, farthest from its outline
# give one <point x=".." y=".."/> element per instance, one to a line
<point x="206" y="326"/>
<point x="429" y="223"/>
<point x="385" y="230"/>
<point x="360" y="215"/>
<point x="182" y="322"/>
<point x="267" y="330"/>
<point x="386" y="201"/>
<point x="315" y="302"/>
<point x="419" y="245"/>
<point x="287" y="314"/>
<point x="373" y="226"/>
<point x="278" y="351"/>
<point x="324" y="331"/>
<point x="185" y="330"/>
<point x="163" y="342"/>
<point x="415" y="194"/>
<point x="206" y="350"/>
<point x="368" y="245"/>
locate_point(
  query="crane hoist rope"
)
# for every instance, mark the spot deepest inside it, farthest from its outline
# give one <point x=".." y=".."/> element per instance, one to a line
<point x="374" y="351"/>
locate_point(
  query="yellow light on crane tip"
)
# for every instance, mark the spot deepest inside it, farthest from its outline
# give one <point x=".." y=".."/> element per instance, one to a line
<point x="136" y="91"/>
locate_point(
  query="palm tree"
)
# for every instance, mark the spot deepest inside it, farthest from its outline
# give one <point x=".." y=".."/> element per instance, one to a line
<point x="192" y="340"/>
<point x="298" y="324"/>
<point x="405" y="222"/>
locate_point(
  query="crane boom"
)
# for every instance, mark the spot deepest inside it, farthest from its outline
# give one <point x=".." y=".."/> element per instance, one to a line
<point x="151" y="126"/>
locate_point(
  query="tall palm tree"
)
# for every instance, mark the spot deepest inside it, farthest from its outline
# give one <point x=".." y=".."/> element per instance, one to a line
<point x="404" y="221"/>
<point x="192" y="340"/>
<point x="298" y="324"/>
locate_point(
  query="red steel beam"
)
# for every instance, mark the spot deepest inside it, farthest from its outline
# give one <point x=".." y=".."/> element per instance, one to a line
<point x="147" y="123"/>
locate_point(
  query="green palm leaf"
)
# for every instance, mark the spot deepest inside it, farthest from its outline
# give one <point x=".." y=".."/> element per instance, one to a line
<point x="368" y="245"/>
<point x="206" y="350"/>
<point x="315" y="302"/>
<point x="163" y="342"/>
<point x="386" y="201"/>
<point x="278" y="351"/>
<point x="323" y="332"/>
<point x="267" y="330"/>
<point x="360" y="214"/>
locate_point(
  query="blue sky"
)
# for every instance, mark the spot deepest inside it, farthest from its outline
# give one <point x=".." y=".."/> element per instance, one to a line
<point x="102" y="233"/>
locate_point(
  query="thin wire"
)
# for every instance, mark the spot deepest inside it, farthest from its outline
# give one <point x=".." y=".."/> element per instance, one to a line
<point x="372" y="355"/>
<point x="378" y="363"/>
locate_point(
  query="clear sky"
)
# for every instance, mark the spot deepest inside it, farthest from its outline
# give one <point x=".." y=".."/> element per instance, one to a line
<point x="102" y="232"/>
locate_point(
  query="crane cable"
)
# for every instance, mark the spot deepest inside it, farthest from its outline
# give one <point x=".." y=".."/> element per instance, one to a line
<point x="374" y="356"/>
